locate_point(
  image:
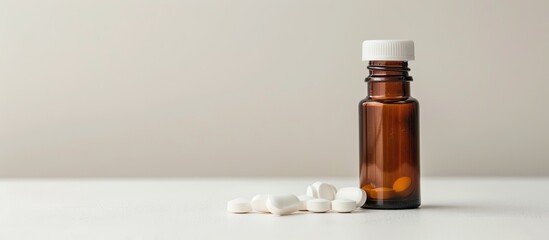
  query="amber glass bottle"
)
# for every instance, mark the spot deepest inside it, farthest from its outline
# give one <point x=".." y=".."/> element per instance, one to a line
<point x="389" y="128"/>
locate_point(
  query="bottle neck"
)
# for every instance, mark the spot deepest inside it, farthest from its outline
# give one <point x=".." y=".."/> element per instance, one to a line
<point x="388" y="80"/>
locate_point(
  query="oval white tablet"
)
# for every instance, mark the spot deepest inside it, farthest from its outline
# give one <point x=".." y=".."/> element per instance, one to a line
<point x="334" y="189"/>
<point x="352" y="193"/>
<point x="315" y="184"/>
<point x="259" y="203"/>
<point x="324" y="191"/>
<point x="318" y="205"/>
<point x="311" y="191"/>
<point x="282" y="204"/>
<point x="303" y="202"/>
<point x="343" y="205"/>
<point x="239" y="205"/>
<point x="363" y="199"/>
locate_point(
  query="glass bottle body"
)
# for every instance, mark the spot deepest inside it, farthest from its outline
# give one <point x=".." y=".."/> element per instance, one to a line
<point x="389" y="139"/>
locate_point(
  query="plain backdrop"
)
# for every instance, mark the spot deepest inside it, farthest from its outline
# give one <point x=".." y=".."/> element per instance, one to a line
<point x="124" y="88"/>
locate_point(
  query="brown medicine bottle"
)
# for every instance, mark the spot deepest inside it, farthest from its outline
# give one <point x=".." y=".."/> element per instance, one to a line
<point x="389" y="128"/>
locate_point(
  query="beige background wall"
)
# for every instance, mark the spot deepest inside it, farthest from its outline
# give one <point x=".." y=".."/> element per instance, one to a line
<point x="263" y="88"/>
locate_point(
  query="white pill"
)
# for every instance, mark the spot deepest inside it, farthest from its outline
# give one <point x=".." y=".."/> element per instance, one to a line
<point x="315" y="185"/>
<point x="283" y="204"/>
<point x="363" y="200"/>
<point x="352" y="193"/>
<point x="334" y="189"/>
<point x="343" y="205"/>
<point x="303" y="199"/>
<point x="324" y="190"/>
<point x="318" y="205"/>
<point x="239" y="205"/>
<point x="311" y="192"/>
<point x="259" y="203"/>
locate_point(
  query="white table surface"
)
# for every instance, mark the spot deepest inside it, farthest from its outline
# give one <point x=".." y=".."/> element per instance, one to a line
<point x="453" y="208"/>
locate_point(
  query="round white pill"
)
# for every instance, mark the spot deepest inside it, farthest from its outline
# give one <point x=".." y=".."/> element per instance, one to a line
<point x="259" y="203"/>
<point x="343" y="205"/>
<point x="334" y="189"/>
<point x="363" y="198"/>
<point x="303" y="199"/>
<point x="352" y="193"/>
<point x="311" y="191"/>
<point x="283" y="204"/>
<point x="324" y="191"/>
<point x="239" y="205"/>
<point x="318" y="205"/>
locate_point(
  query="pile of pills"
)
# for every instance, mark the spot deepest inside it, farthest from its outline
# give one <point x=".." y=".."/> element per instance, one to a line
<point x="401" y="188"/>
<point x="319" y="198"/>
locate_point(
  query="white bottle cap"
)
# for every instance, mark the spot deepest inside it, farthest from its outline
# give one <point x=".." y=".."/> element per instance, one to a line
<point x="388" y="50"/>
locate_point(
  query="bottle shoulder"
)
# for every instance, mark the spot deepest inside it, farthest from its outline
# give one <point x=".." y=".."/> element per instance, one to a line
<point x="370" y="101"/>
